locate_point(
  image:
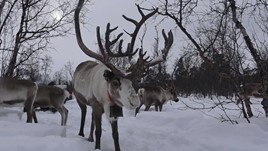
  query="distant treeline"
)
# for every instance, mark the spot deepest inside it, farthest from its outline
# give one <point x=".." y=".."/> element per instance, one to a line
<point x="218" y="78"/>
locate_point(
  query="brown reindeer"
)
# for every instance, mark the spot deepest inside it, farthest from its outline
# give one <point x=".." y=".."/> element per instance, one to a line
<point x="105" y="87"/>
<point x="13" y="91"/>
<point x="52" y="96"/>
<point x="256" y="90"/>
<point x="157" y="96"/>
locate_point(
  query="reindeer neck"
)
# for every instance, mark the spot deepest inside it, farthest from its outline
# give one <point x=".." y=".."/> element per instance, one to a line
<point x="110" y="98"/>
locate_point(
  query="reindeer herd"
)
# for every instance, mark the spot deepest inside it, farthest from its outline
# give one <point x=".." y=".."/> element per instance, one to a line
<point x="31" y="96"/>
<point x="102" y="85"/>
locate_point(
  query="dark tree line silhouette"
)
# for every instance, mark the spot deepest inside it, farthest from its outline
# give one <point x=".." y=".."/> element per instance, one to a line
<point x="218" y="78"/>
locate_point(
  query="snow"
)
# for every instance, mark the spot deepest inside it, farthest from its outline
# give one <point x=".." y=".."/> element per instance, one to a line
<point x="176" y="128"/>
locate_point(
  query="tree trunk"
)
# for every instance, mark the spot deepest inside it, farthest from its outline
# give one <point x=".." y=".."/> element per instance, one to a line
<point x="252" y="49"/>
<point x="13" y="59"/>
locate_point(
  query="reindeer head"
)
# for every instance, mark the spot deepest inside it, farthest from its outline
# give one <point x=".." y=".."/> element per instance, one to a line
<point x="174" y="95"/>
<point x="120" y="91"/>
<point x="123" y="84"/>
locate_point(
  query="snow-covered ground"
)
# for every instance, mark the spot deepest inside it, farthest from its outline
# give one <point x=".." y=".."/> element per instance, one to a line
<point x="176" y="128"/>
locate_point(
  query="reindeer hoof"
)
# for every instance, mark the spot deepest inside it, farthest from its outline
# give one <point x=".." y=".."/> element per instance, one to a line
<point x="81" y="134"/>
<point x="90" y="139"/>
<point x="250" y="115"/>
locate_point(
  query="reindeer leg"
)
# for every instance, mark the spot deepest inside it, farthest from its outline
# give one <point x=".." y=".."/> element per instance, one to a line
<point x="137" y="109"/>
<point x="156" y="107"/>
<point x="147" y="108"/>
<point x="249" y="111"/>
<point x="115" y="135"/>
<point x="34" y="117"/>
<point x="66" y="114"/>
<point x="264" y="104"/>
<point x="80" y="99"/>
<point x="28" y="107"/>
<point x="160" y="107"/>
<point x="148" y="105"/>
<point x="62" y="114"/>
<point x="239" y="101"/>
<point x="83" y="108"/>
<point x="90" y="138"/>
<point x="97" y="116"/>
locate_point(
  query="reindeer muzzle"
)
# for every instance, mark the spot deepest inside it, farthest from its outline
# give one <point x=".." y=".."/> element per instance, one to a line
<point x="176" y="100"/>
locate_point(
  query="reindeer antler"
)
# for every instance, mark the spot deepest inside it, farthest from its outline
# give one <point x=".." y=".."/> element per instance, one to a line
<point x="168" y="43"/>
<point x="105" y="49"/>
<point x="80" y="42"/>
<point x="137" y="26"/>
<point x="140" y="69"/>
<point x="143" y="63"/>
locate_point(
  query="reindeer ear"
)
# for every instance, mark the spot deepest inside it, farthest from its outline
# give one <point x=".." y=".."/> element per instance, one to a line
<point x="108" y="75"/>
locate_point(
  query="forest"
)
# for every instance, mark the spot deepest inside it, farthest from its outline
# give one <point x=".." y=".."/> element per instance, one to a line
<point x="225" y="46"/>
<point x="203" y="61"/>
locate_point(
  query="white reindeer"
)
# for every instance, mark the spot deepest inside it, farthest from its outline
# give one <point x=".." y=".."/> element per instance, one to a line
<point x="52" y="96"/>
<point x="155" y="95"/>
<point x="104" y="87"/>
<point x="13" y="91"/>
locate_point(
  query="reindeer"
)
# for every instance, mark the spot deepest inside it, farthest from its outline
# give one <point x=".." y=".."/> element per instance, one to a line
<point x="52" y="96"/>
<point x="68" y="88"/>
<point x="252" y="89"/>
<point x="103" y="86"/>
<point x="155" y="95"/>
<point x="13" y="91"/>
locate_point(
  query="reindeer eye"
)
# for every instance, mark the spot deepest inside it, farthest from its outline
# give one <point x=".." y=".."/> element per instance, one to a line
<point x="116" y="83"/>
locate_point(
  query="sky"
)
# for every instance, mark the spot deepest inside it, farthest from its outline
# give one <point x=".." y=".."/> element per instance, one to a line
<point x="176" y="128"/>
<point x="100" y="13"/>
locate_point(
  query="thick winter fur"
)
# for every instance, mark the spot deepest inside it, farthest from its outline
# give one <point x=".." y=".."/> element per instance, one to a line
<point x="52" y="96"/>
<point x="155" y="95"/>
<point x="95" y="85"/>
<point x="13" y="91"/>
